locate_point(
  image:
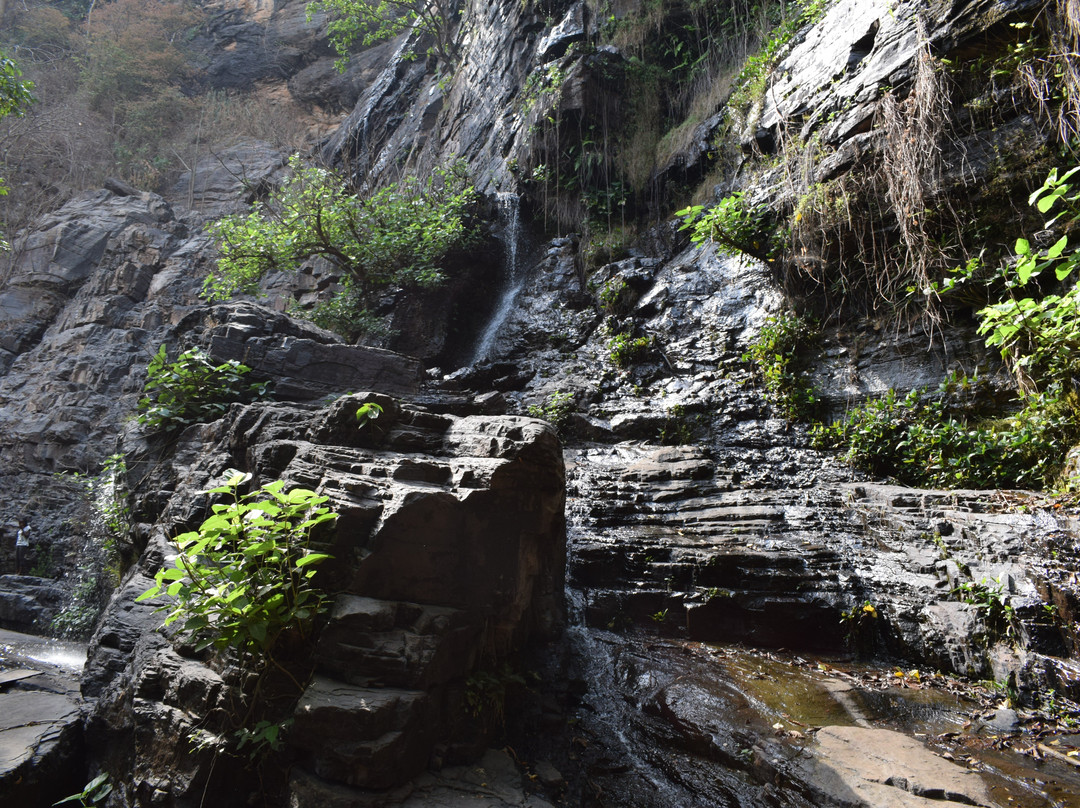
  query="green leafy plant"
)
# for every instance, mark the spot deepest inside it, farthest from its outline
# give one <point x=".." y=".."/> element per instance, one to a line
<point x="732" y="223"/>
<point x="192" y="389"/>
<point x="995" y="607"/>
<point x="44" y="561"/>
<point x="624" y="349"/>
<point x="547" y="79"/>
<point x="922" y="441"/>
<point x="106" y="524"/>
<point x="264" y="737"/>
<point x="15" y="95"/>
<point x="1039" y="335"/>
<point x="556" y="409"/>
<point x="107" y="491"/>
<point x="677" y="428"/>
<point x="245" y="576"/>
<point x="367" y="412"/>
<point x="776" y="354"/>
<point x="15" y="92"/>
<point x="398" y="236"/>
<point x="858" y="623"/>
<point x="614" y="296"/>
<point x="752" y="80"/>
<point x="371" y="21"/>
<point x="95" y="792"/>
<point x="241" y="582"/>
<point x="917" y="440"/>
<point x="486" y="691"/>
<point x="77" y="619"/>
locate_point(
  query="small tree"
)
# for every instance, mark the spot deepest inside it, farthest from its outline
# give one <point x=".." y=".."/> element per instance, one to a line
<point x="371" y="21"/>
<point x="398" y="236"/>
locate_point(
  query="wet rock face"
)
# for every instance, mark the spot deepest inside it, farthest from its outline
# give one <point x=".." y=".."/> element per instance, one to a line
<point x="474" y="116"/>
<point x="671" y="723"/>
<point x="448" y="554"/>
<point x="835" y="73"/>
<point x="29" y="604"/>
<point x="707" y="544"/>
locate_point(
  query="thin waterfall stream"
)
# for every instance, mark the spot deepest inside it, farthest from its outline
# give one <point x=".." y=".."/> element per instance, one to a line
<point x="510" y="217"/>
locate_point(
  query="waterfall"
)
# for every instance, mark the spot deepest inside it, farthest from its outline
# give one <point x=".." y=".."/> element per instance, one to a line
<point x="510" y="218"/>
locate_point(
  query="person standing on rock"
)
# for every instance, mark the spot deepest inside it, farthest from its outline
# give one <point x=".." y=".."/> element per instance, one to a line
<point x="22" y="547"/>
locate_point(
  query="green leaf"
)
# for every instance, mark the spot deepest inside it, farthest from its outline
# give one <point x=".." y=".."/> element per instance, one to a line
<point x="196" y="623"/>
<point x="1058" y="248"/>
<point x="1025" y="269"/>
<point x="258" y="632"/>
<point x="1048" y="201"/>
<point x="1065" y="268"/>
<point x="149" y="594"/>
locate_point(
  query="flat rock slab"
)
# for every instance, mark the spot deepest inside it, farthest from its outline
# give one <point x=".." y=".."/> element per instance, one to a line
<point x="7" y="677"/>
<point x="30" y="720"/>
<point x="40" y="720"/>
<point x="886" y="769"/>
<point x="493" y="782"/>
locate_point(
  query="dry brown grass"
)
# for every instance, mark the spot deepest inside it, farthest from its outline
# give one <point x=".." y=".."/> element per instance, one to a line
<point x="83" y="129"/>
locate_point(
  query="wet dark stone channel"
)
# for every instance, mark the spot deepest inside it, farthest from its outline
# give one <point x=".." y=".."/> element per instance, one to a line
<point x="666" y="550"/>
<point x="668" y="722"/>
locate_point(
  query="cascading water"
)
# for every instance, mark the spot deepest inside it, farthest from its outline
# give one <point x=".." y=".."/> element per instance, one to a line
<point x="510" y="216"/>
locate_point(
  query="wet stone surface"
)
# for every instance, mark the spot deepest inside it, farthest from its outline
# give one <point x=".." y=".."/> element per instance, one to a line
<point x="673" y="723"/>
<point x="40" y="719"/>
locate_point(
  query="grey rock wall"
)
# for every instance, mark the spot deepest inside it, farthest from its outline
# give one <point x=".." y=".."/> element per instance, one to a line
<point x="448" y="554"/>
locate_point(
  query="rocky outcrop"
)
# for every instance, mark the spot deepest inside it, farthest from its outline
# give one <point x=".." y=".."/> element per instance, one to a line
<point x="725" y="555"/>
<point x="492" y="782"/>
<point x="241" y="47"/>
<point x="229" y="181"/>
<point x="832" y="79"/>
<point x="29" y="604"/>
<point x="40" y="720"/>
<point x="448" y="554"/>
<point x="474" y="116"/>
<point x="696" y="511"/>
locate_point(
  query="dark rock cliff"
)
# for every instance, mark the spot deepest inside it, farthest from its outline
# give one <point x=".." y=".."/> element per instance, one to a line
<point x="694" y="510"/>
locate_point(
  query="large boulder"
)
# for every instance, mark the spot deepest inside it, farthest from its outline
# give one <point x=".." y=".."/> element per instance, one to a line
<point x="447" y="557"/>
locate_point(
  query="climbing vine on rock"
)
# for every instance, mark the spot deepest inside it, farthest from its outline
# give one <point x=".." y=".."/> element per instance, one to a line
<point x="775" y="355"/>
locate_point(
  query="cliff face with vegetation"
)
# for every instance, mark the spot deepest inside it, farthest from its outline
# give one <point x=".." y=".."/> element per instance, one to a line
<point x="852" y="179"/>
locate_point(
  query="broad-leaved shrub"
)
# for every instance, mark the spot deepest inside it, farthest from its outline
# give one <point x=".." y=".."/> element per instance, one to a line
<point x="192" y="389"/>
<point x="245" y="576"/>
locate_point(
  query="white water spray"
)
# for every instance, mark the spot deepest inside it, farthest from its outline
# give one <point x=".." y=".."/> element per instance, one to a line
<point x="510" y="214"/>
